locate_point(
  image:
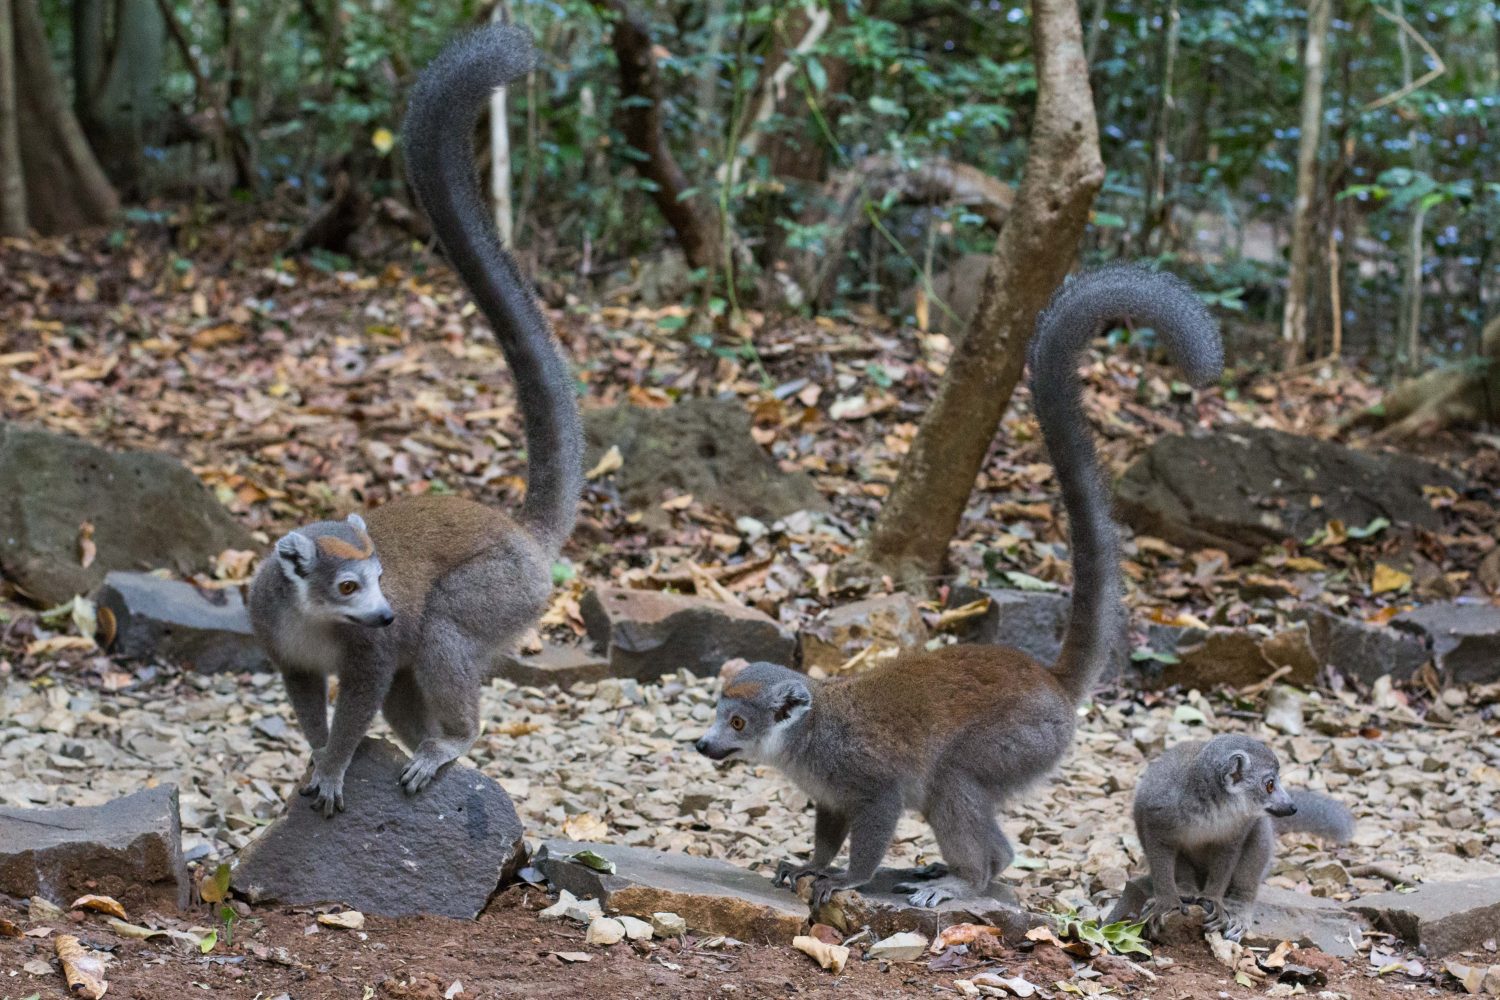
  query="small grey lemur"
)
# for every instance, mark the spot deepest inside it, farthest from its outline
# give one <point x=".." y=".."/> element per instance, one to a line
<point x="956" y="731"/>
<point x="1207" y="815"/>
<point x="409" y="604"/>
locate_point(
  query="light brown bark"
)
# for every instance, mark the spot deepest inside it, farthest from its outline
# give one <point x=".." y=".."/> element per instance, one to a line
<point x="1294" y="317"/>
<point x="1035" y="249"/>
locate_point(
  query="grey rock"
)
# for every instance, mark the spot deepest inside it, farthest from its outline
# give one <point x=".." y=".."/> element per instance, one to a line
<point x="880" y="624"/>
<point x="646" y="634"/>
<point x="156" y="618"/>
<point x="1363" y="651"/>
<point x="1464" y="639"/>
<point x="1440" y="917"/>
<point x="148" y="511"/>
<point x="1243" y="489"/>
<point x="130" y="848"/>
<point x="698" y="446"/>
<point x="1279" y="915"/>
<point x="557" y="663"/>
<point x="441" y="852"/>
<point x="886" y="912"/>
<point x="713" y="897"/>
<point x="1031" y="621"/>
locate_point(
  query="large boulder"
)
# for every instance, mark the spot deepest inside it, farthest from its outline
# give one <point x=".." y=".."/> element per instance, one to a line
<point x="130" y="849"/>
<point x="148" y="511"/>
<point x="1441" y="917"/>
<point x="1030" y="620"/>
<point x="698" y="446"/>
<point x="647" y="633"/>
<point x="555" y="663"/>
<point x="441" y="852"/>
<point x="1464" y="639"/>
<point x="714" y="897"/>
<point x="156" y="618"/>
<point x="1243" y="489"/>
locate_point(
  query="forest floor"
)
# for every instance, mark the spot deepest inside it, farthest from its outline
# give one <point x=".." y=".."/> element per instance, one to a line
<point x="298" y="391"/>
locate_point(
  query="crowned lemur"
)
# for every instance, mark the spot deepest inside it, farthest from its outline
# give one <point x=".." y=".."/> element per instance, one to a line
<point x="956" y="731"/>
<point x="1207" y="815"/>
<point x="409" y="604"/>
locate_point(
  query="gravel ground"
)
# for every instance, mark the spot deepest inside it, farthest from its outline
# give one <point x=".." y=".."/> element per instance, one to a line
<point x="614" y="762"/>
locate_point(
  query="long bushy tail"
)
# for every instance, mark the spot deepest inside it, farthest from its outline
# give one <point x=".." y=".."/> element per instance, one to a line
<point x="1080" y="311"/>
<point x="441" y="115"/>
<point x="1318" y="815"/>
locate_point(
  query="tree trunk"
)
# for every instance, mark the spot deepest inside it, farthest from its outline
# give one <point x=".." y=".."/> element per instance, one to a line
<point x="12" y="181"/>
<point x="117" y="73"/>
<point x="1036" y="248"/>
<point x="500" y="150"/>
<point x="65" y="187"/>
<point x="694" y="221"/>
<point x="1156" y="208"/>
<point x="1294" y="317"/>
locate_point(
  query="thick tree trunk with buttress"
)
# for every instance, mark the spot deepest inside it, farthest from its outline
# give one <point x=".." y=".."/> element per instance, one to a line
<point x="1036" y="248"/>
<point x="65" y="187"/>
<point x="640" y="84"/>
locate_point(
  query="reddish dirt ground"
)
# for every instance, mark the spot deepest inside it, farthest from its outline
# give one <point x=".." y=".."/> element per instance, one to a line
<point x="509" y="952"/>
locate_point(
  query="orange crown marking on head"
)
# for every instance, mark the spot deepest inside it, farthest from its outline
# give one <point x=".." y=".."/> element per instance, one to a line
<point x="744" y="691"/>
<point x="339" y="549"/>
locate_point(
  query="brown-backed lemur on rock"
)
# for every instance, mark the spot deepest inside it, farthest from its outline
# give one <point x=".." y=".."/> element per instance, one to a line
<point x="1207" y="815"/>
<point x="409" y="605"/>
<point x="956" y="731"/>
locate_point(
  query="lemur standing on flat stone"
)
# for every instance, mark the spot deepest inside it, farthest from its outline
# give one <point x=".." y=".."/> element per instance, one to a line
<point x="1207" y="815"/>
<point x="956" y="731"/>
<point x="409" y="604"/>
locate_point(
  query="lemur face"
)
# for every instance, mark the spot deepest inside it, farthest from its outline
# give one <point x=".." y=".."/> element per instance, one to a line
<point x="759" y="704"/>
<point x="335" y="572"/>
<point x="1252" y="771"/>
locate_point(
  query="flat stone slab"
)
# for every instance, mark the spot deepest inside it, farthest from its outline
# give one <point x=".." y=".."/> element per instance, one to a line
<point x="646" y="633"/>
<point x="1464" y="638"/>
<point x="714" y="897"/>
<point x="148" y="511"/>
<point x="1279" y="915"/>
<point x="1245" y="488"/>
<point x="557" y="664"/>
<point x="443" y="851"/>
<point x="698" y="446"/>
<point x="157" y="618"/>
<point x="130" y="848"/>
<point x="1440" y="917"/>
<point x="879" y="625"/>
<point x="1364" y="651"/>
<point x="886" y="912"/>
<point x="1031" y="621"/>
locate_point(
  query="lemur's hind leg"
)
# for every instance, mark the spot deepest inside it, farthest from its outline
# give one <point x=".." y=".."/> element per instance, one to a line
<point x="963" y="819"/>
<point x="406" y="711"/>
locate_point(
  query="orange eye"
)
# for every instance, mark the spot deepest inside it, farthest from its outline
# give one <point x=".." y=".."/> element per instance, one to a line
<point x="1270" y="785"/>
<point x="736" y="723"/>
<point x="348" y="587"/>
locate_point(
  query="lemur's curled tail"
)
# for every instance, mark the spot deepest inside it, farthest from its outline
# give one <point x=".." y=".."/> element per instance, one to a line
<point x="1081" y="310"/>
<point x="437" y="134"/>
<point x="1318" y="815"/>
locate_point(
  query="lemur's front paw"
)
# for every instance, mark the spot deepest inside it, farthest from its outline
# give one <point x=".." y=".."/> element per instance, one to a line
<point x="1157" y="910"/>
<point x="789" y="873"/>
<point x="327" y="792"/>
<point x="931" y="895"/>
<point x="1228" y="920"/>
<point x="824" y="885"/>
<point x="420" y="771"/>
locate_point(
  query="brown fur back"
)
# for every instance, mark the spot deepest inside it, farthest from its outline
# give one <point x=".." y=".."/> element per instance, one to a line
<point x="921" y="700"/>
<point x="418" y="539"/>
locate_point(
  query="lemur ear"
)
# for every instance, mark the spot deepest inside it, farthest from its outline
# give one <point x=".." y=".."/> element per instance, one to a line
<point x="1236" y="770"/>
<point x="296" y="552"/>
<point x="731" y="669"/>
<point x="355" y="521"/>
<point x="792" y="699"/>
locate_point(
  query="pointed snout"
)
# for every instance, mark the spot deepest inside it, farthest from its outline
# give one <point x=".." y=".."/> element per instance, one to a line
<point x="710" y="749"/>
<point x="379" y="618"/>
<point x="1281" y="808"/>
